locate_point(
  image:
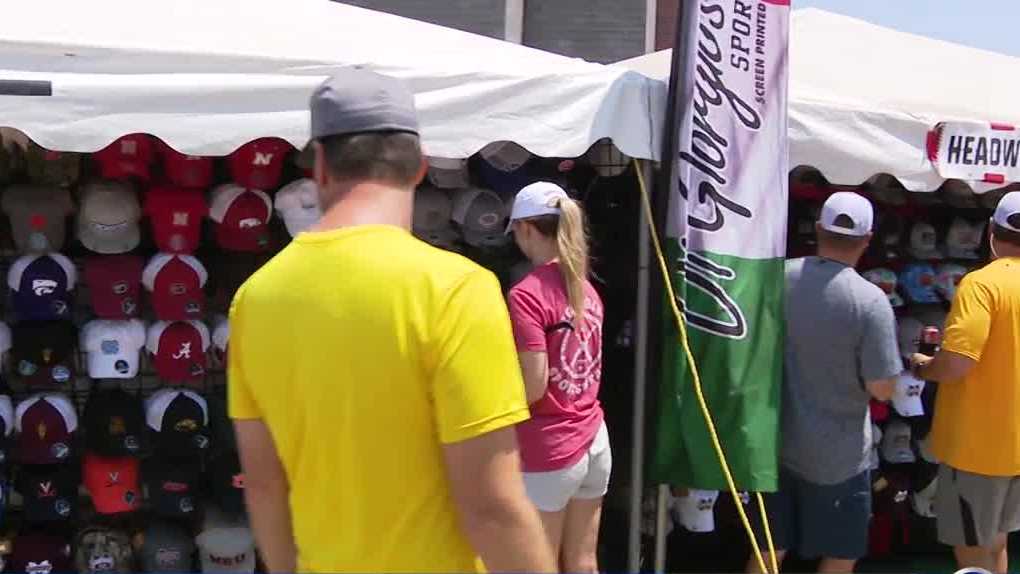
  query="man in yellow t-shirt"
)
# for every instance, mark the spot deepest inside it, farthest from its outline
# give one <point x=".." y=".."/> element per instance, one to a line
<point x="372" y="378"/>
<point x="976" y="431"/>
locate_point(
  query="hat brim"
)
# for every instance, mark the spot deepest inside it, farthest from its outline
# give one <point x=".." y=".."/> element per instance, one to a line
<point x="108" y="245"/>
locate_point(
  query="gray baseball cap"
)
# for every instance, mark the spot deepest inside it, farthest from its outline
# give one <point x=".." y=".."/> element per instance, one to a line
<point x="167" y="547"/>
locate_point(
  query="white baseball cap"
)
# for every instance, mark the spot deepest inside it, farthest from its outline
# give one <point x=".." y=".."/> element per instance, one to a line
<point x="964" y="239"/>
<point x="907" y="396"/>
<point x="540" y="198"/>
<point x="924" y="241"/>
<point x="108" y="218"/>
<point x="449" y="173"/>
<point x="297" y="203"/>
<point x="113" y="347"/>
<point x="896" y="443"/>
<point x="1007" y="213"/>
<point x="696" y="511"/>
<point x="848" y="205"/>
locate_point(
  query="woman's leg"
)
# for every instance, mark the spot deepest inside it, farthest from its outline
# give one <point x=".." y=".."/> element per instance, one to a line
<point x="579" y="553"/>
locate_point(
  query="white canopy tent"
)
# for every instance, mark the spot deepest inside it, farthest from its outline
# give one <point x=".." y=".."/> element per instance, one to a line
<point x="863" y="98"/>
<point x="207" y="77"/>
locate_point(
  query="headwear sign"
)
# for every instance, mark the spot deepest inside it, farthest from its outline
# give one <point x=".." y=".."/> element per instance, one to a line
<point x="975" y="151"/>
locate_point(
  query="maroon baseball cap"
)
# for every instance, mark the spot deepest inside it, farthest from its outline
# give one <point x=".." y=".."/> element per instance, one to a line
<point x="45" y="424"/>
<point x="127" y="157"/>
<point x="40" y="552"/>
<point x="179" y="349"/>
<point x="242" y="217"/>
<point x="176" y="217"/>
<point x="115" y="285"/>
<point x="175" y="283"/>
<point x="259" y="164"/>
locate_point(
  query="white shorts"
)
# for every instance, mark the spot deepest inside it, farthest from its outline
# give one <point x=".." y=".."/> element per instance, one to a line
<point x="587" y="479"/>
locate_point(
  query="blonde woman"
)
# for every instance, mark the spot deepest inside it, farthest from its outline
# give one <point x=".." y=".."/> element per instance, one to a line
<point x="557" y="319"/>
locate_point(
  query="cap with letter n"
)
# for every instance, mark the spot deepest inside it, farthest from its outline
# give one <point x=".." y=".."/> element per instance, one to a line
<point x="175" y="215"/>
<point x="128" y="157"/>
<point x="1007" y="213"/>
<point x="242" y="217"/>
<point x="847" y="213"/>
<point x="45" y="425"/>
<point x="259" y="164"/>
<point x="179" y="349"/>
<point x="188" y="171"/>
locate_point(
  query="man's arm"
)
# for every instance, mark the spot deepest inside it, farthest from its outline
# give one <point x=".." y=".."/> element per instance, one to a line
<point x="945" y="366"/>
<point x="496" y="515"/>
<point x="967" y="328"/>
<point x="881" y="389"/>
<point x="535" y="369"/>
<point x="879" y="361"/>
<point x="267" y="494"/>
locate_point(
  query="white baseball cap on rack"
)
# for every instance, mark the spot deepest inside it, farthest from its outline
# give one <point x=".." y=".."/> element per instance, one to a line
<point x="696" y="511"/>
<point x="297" y="203"/>
<point x="537" y="199"/>
<point x="907" y="396"/>
<point x="896" y="448"/>
<point x="1007" y="213"/>
<point x="847" y="213"/>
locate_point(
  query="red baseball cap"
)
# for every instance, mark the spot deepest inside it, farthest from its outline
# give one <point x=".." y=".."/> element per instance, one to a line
<point x="176" y="217"/>
<point x="179" y="349"/>
<point x="127" y="157"/>
<point x="242" y="217"/>
<point x="112" y="483"/>
<point x="259" y="164"/>
<point x="115" y="285"/>
<point x="45" y="424"/>
<point x="188" y="171"/>
<point x="175" y="283"/>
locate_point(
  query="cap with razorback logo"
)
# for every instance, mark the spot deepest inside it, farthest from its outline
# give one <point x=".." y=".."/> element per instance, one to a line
<point x="115" y="285"/>
<point x="176" y="216"/>
<point x="41" y="286"/>
<point x="166" y="548"/>
<point x="49" y="493"/>
<point x="176" y="282"/>
<point x="43" y="351"/>
<point x="187" y="171"/>
<point x="113" y="483"/>
<point x="115" y="424"/>
<point x="179" y="349"/>
<point x="40" y="552"/>
<point x="113" y="347"/>
<point x="173" y="486"/>
<point x="45" y="426"/>
<point x="259" y="164"/>
<point x="242" y="217"/>
<point x="38" y="215"/>
<point x="180" y="421"/>
<point x="99" y="549"/>
<point x="128" y="157"/>
<point x="108" y="217"/>
<point x="297" y="203"/>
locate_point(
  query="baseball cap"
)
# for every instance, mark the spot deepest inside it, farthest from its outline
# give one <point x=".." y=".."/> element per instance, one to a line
<point x="108" y="217"/>
<point x="885" y="279"/>
<point x="505" y="155"/>
<point x="115" y="424"/>
<point x="166" y="548"/>
<point x="242" y="217"/>
<point x="606" y="159"/>
<point x="101" y="549"/>
<point x="918" y="283"/>
<point x="179" y="349"/>
<point x="355" y="100"/>
<point x="127" y="157"/>
<point x="175" y="215"/>
<point x="49" y="492"/>
<point x="480" y="214"/>
<point x="112" y="482"/>
<point x="908" y="335"/>
<point x="180" y="419"/>
<point x="175" y="282"/>
<point x="695" y="512"/>
<point x="924" y="241"/>
<point x="38" y="551"/>
<point x="431" y="218"/>
<point x="907" y="396"/>
<point x="173" y="486"/>
<point x="964" y="239"/>
<point x="258" y="164"/>
<point x="41" y="286"/>
<point x="297" y="203"/>
<point x="187" y="171"/>
<point x="947" y="278"/>
<point x="541" y="198"/>
<point x="115" y="285"/>
<point x="847" y="213"/>
<point x="896" y="443"/>
<point x="221" y="334"/>
<point x="112" y="347"/>
<point x="226" y="549"/>
<point x="1007" y="213"/>
<point x="876" y="439"/>
<point x="37" y="215"/>
<point x="47" y="167"/>
<point x="43" y="351"/>
<point x="45" y="425"/>
<point x="226" y="481"/>
<point x="449" y="173"/>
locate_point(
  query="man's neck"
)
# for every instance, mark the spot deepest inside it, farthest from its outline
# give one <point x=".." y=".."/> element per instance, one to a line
<point x="848" y="259"/>
<point x="367" y="203"/>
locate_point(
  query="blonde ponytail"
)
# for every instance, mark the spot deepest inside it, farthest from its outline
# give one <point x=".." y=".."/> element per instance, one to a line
<point x="572" y="248"/>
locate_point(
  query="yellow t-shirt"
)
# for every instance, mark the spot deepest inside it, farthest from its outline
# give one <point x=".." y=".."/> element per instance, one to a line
<point x="977" y="420"/>
<point x="364" y="350"/>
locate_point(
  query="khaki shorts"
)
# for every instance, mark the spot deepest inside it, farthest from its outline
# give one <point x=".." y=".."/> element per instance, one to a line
<point x="587" y="479"/>
<point x="972" y="509"/>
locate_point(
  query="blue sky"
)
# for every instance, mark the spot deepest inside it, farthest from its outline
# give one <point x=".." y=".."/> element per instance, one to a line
<point x="988" y="24"/>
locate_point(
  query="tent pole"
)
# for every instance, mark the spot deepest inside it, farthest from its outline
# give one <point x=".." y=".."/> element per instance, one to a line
<point x="640" y="384"/>
<point x="661" y="499"/>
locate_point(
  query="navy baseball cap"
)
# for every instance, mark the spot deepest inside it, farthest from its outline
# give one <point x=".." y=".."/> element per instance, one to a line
<point x="41" y="286"/>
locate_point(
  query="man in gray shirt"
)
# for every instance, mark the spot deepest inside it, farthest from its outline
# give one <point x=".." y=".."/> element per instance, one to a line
<point x="841" y="350"/>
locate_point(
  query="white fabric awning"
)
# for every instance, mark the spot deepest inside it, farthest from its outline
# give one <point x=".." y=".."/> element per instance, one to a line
<point x="208" y="76"/>
<point x="863" y="98"/>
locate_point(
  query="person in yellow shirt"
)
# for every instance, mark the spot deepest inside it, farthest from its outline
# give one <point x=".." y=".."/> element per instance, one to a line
<point x="976" y="431"/>
<point x="372" y="378"/>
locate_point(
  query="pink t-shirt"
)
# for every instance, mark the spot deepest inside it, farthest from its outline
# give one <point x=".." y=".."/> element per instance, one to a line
<point x="565" y="421"/>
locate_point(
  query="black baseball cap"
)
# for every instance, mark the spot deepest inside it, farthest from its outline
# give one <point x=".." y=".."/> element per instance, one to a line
<point x="43" y="351"/>
<point x="34" y="547"/>
<point x="115" y="424"/>
<point x="49" y="492"/>
<point x="173" y="486"/>
<point x="180" y="421"/>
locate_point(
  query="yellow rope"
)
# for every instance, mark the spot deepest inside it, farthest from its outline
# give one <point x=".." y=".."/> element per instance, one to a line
<point x="685" y="343"/>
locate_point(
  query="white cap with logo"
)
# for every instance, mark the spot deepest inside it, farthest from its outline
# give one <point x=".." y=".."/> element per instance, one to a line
<point x="696" y="511"/>
<point x="1007" y="213"/>
<point x="847" y="213"/>
<point x="907" y="396"/>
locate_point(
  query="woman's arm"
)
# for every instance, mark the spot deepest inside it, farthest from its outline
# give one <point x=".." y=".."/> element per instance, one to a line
<point x="535" y="368"/>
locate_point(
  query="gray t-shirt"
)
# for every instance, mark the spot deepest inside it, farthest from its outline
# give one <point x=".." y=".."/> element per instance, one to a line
<point x="840" y="333"/>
